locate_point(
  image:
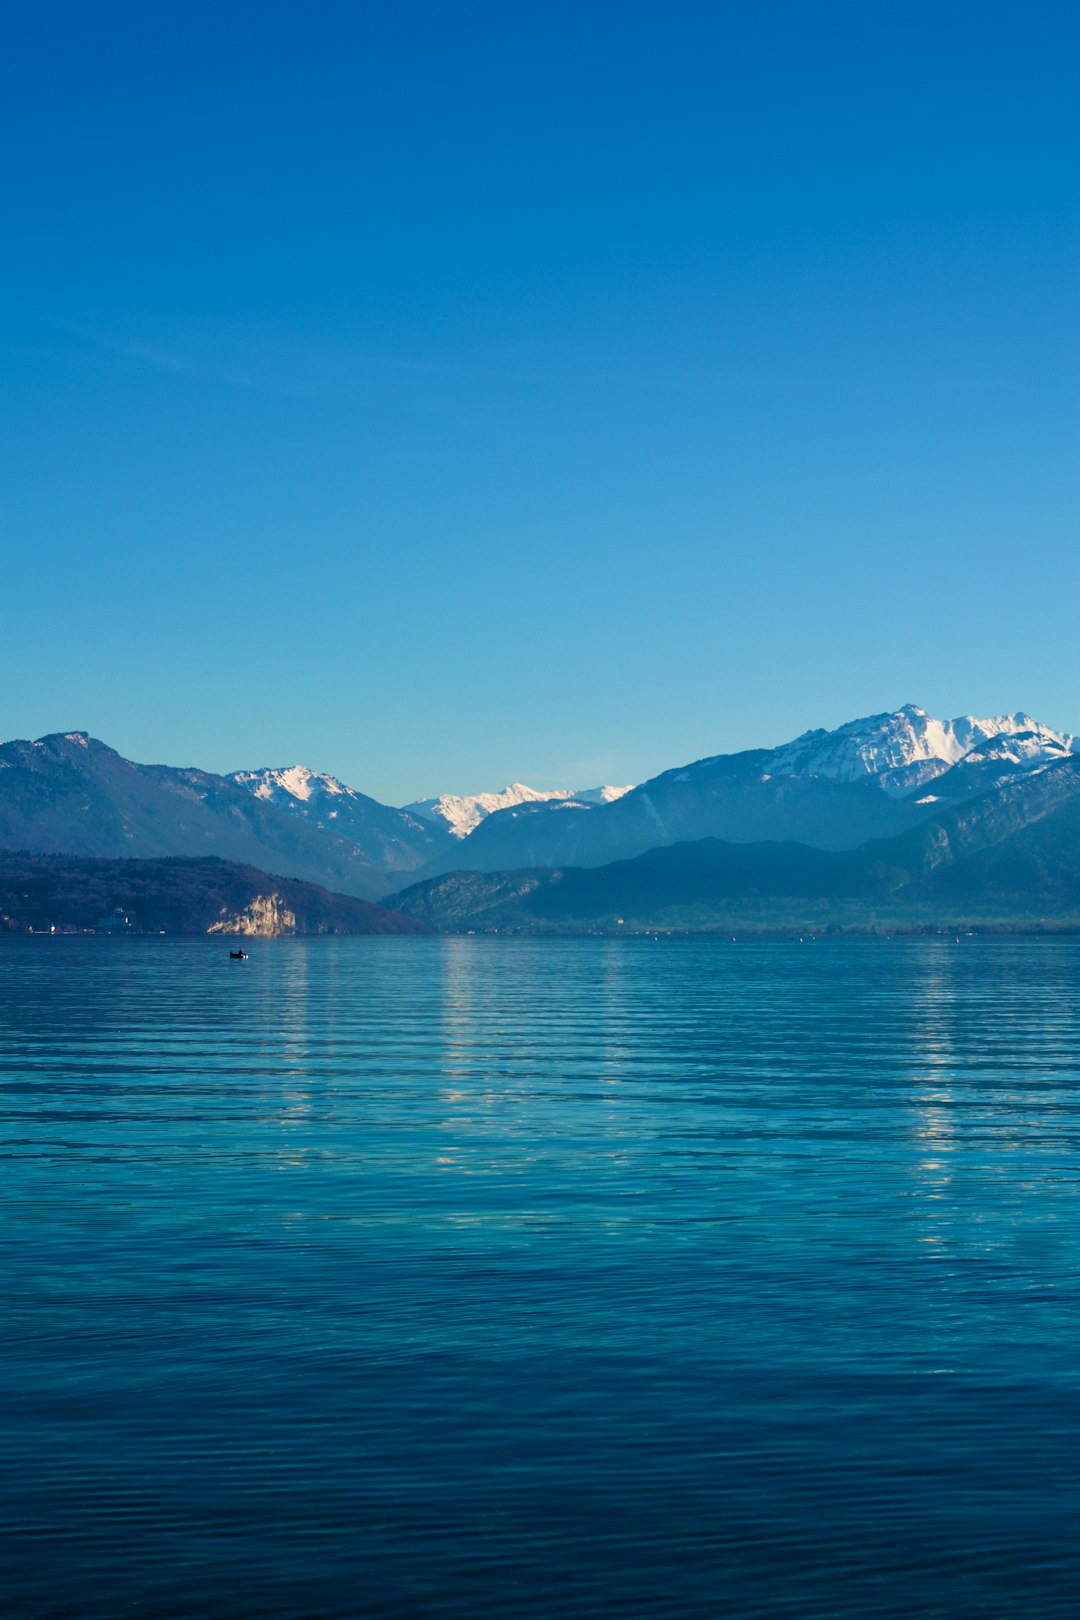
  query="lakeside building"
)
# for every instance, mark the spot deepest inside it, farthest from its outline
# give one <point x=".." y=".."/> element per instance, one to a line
<point x="118" y="923"/>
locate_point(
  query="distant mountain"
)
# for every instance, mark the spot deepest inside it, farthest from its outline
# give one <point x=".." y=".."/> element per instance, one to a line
<point x="463" y="813"/>
<point x="39" y="892"/>
<point x="68" y="793"/>
<point x="871" y="778"/>
<point x="397" y="841"/>
<point x="907" y="748"/>
<point x="1006" y="858"/>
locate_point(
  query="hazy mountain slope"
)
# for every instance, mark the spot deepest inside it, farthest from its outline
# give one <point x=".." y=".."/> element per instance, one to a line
<point x="69" y="793"/>
<point x="1011" y="856"/>
<point x="180" y="897"/>
<point x="872" y="778"/>
<point x="731" y="801"/>
<point x="394" y="840"/>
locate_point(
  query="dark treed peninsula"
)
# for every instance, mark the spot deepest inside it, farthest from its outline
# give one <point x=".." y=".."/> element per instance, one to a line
<point x="42" y="893"/>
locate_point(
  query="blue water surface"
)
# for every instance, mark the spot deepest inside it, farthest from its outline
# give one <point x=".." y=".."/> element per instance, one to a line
<point x="481" y="1277"/>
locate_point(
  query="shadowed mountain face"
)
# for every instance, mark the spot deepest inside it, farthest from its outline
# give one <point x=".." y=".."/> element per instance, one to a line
<point x="732" y="800"/>
<point x="179" y="897"/>
<point x="70" y="794"/>
<point x="871" y="779"/>
<point x="1007" y="858"/>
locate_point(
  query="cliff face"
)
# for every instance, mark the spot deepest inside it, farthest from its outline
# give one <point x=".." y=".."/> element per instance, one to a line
<point x="265" y="917"/>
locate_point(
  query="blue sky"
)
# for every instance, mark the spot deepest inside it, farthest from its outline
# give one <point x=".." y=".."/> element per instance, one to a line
<point x="445" y="394"/>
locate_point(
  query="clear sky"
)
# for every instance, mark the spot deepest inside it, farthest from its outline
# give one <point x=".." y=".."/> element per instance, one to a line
<point x="443" y="394"/>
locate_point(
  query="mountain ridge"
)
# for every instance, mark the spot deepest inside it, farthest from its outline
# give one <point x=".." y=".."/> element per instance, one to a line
<point x="68" y="793"/>
<point x="1009" y="857"/>
<point x="396" y="840"/>
<point x="831" y="790"/>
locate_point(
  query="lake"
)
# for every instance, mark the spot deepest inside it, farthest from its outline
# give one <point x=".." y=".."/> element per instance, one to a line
<point x="497" y="1277"/>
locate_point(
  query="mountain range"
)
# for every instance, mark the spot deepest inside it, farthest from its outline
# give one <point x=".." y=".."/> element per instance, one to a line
<point x="70" y="794"/>
<point x="872" y="780"/>
<point x="1005" y="859"/>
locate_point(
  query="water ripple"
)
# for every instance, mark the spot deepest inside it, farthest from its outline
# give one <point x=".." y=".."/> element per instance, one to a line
<point x="448" y="1278"/>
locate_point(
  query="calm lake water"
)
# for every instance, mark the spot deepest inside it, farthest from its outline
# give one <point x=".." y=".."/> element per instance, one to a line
<point x="417" y="1277"/>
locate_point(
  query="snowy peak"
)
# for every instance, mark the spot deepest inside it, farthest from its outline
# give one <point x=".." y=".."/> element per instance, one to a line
<point x="909" y="747"/>
<point x="601" y="795"/>
<point x="323" y="798"/>
<point x="462" y="813"/>
<point x="395" y="841"/>
<point x="1021" y="748"/>
<point x="292" y="782"/>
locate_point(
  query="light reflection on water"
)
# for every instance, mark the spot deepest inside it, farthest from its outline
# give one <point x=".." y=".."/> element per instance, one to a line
<point x="474" y="1277"/>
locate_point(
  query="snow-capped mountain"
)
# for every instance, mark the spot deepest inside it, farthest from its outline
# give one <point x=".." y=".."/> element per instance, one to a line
<point x="293" y="784"/>
<point x="396" y="840"/>
<point x="68" y="793"/>
<point x="909" y="747"/>
<point x="463" y="812"/>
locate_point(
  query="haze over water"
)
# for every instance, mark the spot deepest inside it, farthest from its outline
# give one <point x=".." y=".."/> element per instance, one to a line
<point x="460" y="1277"/>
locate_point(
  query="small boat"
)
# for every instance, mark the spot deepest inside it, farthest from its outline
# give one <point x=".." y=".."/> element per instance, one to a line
<point x="238" y="956"/>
